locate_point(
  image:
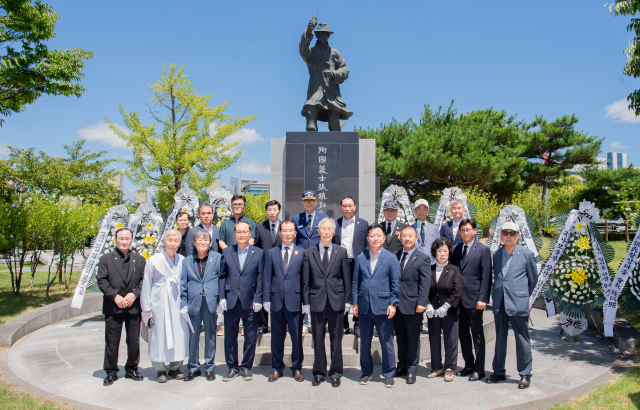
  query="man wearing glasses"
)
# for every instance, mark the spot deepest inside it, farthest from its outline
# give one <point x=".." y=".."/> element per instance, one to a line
<point x="226" y="235"/>
<point x="516" y="275"/>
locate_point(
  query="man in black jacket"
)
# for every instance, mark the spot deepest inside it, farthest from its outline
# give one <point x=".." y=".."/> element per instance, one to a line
<point x="415" y="280"/>
<point x="120" y="276"/>
<point x="392" y="227"/>
<point x="474" y="261"/>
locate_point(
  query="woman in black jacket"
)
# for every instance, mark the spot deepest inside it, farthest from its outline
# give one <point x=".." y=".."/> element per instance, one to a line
<point x="442" y="311"/>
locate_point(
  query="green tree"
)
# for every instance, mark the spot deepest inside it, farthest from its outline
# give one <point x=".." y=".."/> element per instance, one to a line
<point x="632" y="67"/>
<point x="487" y="207"/>
<point x="190" y="146"/>
<point x="444" y="149"/>
<point x="255" y="206"/>
<point x="553" y="148"/>
<point x="28" y="68"/>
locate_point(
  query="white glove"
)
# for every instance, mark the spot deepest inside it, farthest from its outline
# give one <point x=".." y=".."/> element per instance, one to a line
<point x="429" y="311"/>
<point x="442" y="311"/>
<point x="146" y="316"/>
<point x="257" y="307"/>
<point x="222" y="306"/>
<point x="306" y="309"/>
<point x="267" y="307"/>
<point x="184" y="312"/>
<point x="347" y="308"/>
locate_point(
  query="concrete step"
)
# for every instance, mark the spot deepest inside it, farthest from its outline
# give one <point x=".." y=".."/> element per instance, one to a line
<point x="263" y="357"/>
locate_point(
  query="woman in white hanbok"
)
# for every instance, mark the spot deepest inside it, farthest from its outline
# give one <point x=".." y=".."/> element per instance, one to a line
<point x="160" y="300"/>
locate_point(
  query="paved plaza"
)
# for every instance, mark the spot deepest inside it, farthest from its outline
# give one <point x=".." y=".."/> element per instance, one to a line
<point x="63" y="362"/>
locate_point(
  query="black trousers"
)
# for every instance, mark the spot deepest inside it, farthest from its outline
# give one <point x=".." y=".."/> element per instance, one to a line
<point x="113" y="331"/>
<point x="356" y="320"/>
<point x="448" y="327"/>
<point x="472" y="339"/>
<point x="407" y="329"/>
<point x="318" y="322"/>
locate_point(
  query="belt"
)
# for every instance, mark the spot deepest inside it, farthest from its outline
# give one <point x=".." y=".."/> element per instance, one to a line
<point x="351" y="260"/>
<point x="202" y="294"/>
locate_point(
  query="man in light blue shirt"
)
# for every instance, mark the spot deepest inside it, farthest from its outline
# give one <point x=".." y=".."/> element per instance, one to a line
<point x="427" y="232"/>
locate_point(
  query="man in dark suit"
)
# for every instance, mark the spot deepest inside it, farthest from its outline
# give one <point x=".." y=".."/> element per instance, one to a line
<point x="351" y="234"/>
<point x="474" y="261"/>
<point x="266" y="238"/>
<point x="120" y="276"/>
<point x="392" y="227"/>
<point x="326" y="283"/>
<point x="282" y="289"/>
<point x="415" y="279"/>
<point x="307" y="221"/>
<point x="450" y="229"/>
<point x="241" y="298"/>
<point x="205" y="214"/>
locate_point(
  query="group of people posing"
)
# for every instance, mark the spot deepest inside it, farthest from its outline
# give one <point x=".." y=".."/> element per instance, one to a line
<point x="307" y="274"/>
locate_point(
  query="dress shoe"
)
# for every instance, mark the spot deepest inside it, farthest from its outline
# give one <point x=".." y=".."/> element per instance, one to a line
<point x="247" y="375"/>
<point x="298" y="376"/>
<point x="108" y="381"/>
<point x="464" y="372"/>
<point x="231" y="374"/>
<point x="448" y="375"/>
<point x="317" y="380"/>
<point x="134" y="375"/>
<point x="162" y="377"/>
<point x="211" y="376"/>
<point x="335" y="382"/>
<point x="364" y="379"/>
<point x="388" y="382"/>
<point x="400" y="373"/>
<point x="475" y="376"/>
<point x="192" y="375"/>
<point x="411" y="378"/>
<point x="495" y="378"/>
<point x="435" y="373"/>
<point x="275" y="376"/>
<point x="347" y="330"/>
<point x="176" y="374"/>
<point x="525" y="382"/>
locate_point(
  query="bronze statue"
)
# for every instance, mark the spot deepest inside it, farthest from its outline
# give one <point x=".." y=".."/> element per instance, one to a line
<point x="327" y="70"/>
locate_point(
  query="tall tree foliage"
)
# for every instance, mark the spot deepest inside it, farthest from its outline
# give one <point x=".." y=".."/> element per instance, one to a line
<point x="28" y="68"/>
<point x="188" y="148"/>
<point x="632" y="67"/>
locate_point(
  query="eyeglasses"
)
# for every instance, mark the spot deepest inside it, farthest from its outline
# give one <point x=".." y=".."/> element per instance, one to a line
<point x="237" y="205"/>
<point x="509" y="233"/>
<point x="243" y="232"/>
<point x="466" y="230"/>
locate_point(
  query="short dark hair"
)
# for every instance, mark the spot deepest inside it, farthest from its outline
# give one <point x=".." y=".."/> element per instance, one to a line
<point x="410" y="227"/>
<point x="439" y="243"/>
<point x="180" y="214"/>
<point x="123" y="229"/>
<point x="348" y="197"/>
<point x="272" y="202"/>
<point x="241" y="222"/>
<point x="235" y="197"/>
<point x="287" y="222"/>
<point x="206" y="204"/>
<point x="467" y="221"/>
<point x="374" y="226"/>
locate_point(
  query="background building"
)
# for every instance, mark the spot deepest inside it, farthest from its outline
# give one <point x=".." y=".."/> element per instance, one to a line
<point x="247" y="185"/>
<point x="616" y="160"/>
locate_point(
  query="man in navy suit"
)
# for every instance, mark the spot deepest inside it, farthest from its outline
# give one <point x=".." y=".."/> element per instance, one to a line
<point x="516" y="275"/>
<point x="474" y="261"/>
<point x="392" y="227"/>
<point x="427" y="232"/>
<point x="307" y="221"/>
<point x="451" y="229"/>
<point x="205" y="214"/>
<point x="351" y="234"/>
<point x="199" y="299"/>
<point x="282" y="281"/>
<point x="374" y="292"/>
<point x="241" y="298"/>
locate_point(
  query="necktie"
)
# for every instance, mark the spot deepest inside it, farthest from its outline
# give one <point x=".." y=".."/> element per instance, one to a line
<point x="273" y="231"/>
<point x="464" y="253"/>
<point x="422" y="234"/>
<point x="403" y="261"/>
<point x="309" y="224"/>
<point x="325" y="259"/>
<point x="286" y="258"/>
<point x="388" y="228"/>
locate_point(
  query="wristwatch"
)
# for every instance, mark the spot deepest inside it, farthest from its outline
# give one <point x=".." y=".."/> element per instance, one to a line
<point x="394" y="304"/>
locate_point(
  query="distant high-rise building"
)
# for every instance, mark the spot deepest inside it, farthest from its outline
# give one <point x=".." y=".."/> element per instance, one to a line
<point x="616" y="160"/>
<point x="142" y="196"/>
<point x="118" y="181"/>
<point x="248" y="185"/>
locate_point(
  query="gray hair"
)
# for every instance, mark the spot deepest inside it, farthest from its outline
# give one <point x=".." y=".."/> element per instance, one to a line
<point x="325" y="220"/>
<point x="171" y="232"/>
<point x="202" y="233"/>
<point x="456" y="201"/>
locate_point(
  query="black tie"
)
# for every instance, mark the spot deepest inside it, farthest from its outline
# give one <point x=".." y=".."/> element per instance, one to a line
<point x="286" y="258"/>
<point x="422" y="234"/>
<point x="388" y="228"/>
<point x="402" y="262"/>
<point x="273" y="231"/>
<point x="464" y="253"/>
<point x="325" y="259"/>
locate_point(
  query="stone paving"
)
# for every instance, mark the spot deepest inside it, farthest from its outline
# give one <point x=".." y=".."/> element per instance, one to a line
<point x="63" y="361"/>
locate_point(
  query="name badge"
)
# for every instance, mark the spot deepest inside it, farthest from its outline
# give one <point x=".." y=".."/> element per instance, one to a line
<point x="300" y="226"/>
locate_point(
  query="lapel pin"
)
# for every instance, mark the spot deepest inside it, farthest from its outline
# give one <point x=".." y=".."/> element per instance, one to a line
<point x="296" y="252"/>
<point x="251" y="251"/>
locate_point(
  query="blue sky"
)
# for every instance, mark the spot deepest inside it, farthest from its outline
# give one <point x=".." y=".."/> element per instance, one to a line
<point x="545" y="58"/>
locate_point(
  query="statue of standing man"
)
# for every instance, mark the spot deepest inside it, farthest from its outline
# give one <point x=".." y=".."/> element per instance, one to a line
<point x="327" y="70"/>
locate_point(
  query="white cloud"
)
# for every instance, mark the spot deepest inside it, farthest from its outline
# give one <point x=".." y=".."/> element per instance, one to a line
<point x="619" y="111"/>
<point x="253" y="167"/>
<point x="618" y="144"/>
<point x="101" y="132"/>
<point x="246" y="136"/>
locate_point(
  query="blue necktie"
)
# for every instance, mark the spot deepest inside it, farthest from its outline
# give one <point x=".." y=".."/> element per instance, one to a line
<point x="309" y="224"/>
<point x="422" y="234"/>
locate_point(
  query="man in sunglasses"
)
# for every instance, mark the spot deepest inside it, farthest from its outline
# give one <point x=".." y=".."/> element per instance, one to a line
<point x="516" y="275"/>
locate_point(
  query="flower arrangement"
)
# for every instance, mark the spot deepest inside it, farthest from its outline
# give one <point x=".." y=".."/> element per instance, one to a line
<point x="146" y="239"/>
<point x="576" y="280"/>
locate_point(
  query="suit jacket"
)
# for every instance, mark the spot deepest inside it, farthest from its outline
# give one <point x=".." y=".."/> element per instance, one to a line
<point x="446" y="231"/>
<point x="112" y="282"/>
<point x="318" y="285"/>
<point x="515" y="286"/>
<point x="476" y="273"/>
<point x="378" y="289"/>
<point x="188" y="246"/>
<point x="392" y="242"/>
<point x="415" y="280"/>
<point x="303" y="238"/>
<point x="279" y="287"/>
<point x="431" y="233"/>
<point x="245" y="283"/>
<point x="359" y="243"/>
<point x="192" y="287"/>
<point x="264" y="240"/>
<point x="446" y="290"/>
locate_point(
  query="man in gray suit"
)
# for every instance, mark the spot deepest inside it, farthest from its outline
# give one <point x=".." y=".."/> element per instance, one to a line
<point x="515" y="274"/>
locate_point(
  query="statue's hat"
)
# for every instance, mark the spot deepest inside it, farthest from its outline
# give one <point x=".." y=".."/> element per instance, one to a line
<point x="323" y="28"/>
